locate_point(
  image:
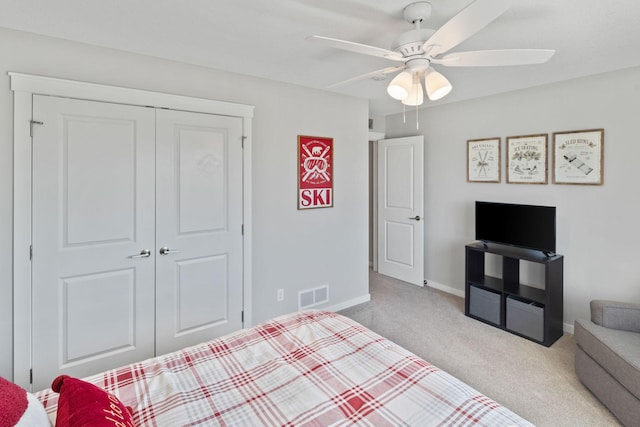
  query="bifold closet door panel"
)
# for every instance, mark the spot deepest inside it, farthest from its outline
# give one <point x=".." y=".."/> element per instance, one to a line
<point x="198" y="228"/>
<point x="93" y="215"/>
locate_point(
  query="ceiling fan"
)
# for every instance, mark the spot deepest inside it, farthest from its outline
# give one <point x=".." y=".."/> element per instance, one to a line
<point x="420" y="48"/>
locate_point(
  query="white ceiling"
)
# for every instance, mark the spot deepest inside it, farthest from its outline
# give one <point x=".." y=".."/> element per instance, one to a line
<point x="267" y="38"/>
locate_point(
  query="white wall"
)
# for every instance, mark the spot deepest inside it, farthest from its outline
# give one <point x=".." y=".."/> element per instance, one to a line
<point x="597" y="226"/>
<point x="292" y="250"/>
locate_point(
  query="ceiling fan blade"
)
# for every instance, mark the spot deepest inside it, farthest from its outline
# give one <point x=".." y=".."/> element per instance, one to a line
<point x="491" y="58"/>
<point x="358" y="48"/>
<point x="367" y="76"/>
<point x="466" y="23"/>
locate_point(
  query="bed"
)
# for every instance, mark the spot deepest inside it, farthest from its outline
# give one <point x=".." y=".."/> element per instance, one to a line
<point x="311" y="368"/>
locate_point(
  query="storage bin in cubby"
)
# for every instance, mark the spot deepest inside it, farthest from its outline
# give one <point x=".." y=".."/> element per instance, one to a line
<point x="484" y="304"/>
<point x="525" y="318"/>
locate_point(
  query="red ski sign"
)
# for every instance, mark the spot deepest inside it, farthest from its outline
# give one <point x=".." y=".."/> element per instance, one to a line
<point x="315" y="172"/>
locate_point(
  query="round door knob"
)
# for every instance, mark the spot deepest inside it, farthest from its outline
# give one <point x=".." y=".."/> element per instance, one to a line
<point x="166" y="251"/>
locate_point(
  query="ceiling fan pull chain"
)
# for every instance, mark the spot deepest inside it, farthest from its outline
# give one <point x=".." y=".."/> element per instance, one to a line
<point x="417" y="122"/>
<point x="404" y="113"/>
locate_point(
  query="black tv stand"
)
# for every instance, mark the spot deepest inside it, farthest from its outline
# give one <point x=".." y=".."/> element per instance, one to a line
<point x="531" y="312"/>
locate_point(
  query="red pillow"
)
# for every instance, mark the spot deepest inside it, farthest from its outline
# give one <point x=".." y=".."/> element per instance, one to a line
<point x="82" y="404"/>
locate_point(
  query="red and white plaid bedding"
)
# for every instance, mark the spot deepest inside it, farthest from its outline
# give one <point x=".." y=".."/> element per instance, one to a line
<point x="304" y="369"/>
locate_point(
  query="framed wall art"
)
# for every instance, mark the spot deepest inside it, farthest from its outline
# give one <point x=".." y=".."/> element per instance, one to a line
<point x="315" y="172"/>
<point x="527" y="159"/>
<point x="483" y="160"/>
<point x="578" y="157"/>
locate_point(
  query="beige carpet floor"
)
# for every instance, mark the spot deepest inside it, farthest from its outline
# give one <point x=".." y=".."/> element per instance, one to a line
<point x="536" y="382"/>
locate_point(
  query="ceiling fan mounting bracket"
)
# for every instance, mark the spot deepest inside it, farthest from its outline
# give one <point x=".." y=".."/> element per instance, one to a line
<point x="417" y="12"/>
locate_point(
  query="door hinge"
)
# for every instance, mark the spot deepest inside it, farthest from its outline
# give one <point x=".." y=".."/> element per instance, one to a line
<point x="243" y="138"/>
<point x="242" y="229"/>
<point x="33" y="122"/>
<point x="242" y="316"/>
<point x="30" y="252"/>
<point x="30" y="376"/>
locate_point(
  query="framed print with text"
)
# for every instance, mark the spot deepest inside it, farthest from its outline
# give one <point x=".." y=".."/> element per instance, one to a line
<point x="483" y="160"/>
<point x="315" y="172"/>
<point x="527" y="159"/>
<point x="578" y="157"/>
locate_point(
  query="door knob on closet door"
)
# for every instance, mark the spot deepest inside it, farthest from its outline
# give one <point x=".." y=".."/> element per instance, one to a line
<point x="166" y="251"/>
<point x="145" y="253"/>
<point x="416" y="218"/>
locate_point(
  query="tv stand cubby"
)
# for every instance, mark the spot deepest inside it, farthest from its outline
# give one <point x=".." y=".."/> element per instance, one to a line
<point x="505" y="303"/>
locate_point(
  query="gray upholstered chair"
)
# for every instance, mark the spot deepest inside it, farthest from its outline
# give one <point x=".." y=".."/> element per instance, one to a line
<point x="608" y="357"/>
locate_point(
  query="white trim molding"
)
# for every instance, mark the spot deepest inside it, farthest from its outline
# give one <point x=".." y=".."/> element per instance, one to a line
<point x="349" y="303"/>
<point x="105" y="93"/>
<point x="445" y="288"/>
<point x="376" y="136"/>
<point x="25" y="86"/>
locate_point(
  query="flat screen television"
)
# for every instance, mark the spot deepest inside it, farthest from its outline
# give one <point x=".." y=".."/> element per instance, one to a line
<point x="526" y="226"/>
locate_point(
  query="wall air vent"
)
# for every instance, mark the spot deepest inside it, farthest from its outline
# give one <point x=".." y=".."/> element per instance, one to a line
<point x="313" y="297"/>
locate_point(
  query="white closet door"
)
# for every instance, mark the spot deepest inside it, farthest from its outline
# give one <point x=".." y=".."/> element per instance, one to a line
<point x="199" y="223"/>
<point x="93" y="208"/>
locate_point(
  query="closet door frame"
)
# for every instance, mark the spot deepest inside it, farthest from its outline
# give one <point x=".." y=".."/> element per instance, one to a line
<point x="24" y="86"/>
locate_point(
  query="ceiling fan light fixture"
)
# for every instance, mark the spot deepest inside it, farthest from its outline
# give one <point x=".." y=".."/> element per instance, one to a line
<point x="400" y="86"/>
<point x="436" y="84"/>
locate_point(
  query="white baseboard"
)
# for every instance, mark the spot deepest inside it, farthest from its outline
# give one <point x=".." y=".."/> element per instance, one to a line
<point x="349" y="303"/>
<point x="444" y="288"/>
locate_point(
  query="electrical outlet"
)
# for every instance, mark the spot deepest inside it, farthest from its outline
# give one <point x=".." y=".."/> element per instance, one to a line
<point x="280" y="295"/>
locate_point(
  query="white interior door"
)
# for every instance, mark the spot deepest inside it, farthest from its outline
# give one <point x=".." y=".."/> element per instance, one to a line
<point x="400" y="209"/>
<point x="199" y="225"/>
<point x="93" y="209"/>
